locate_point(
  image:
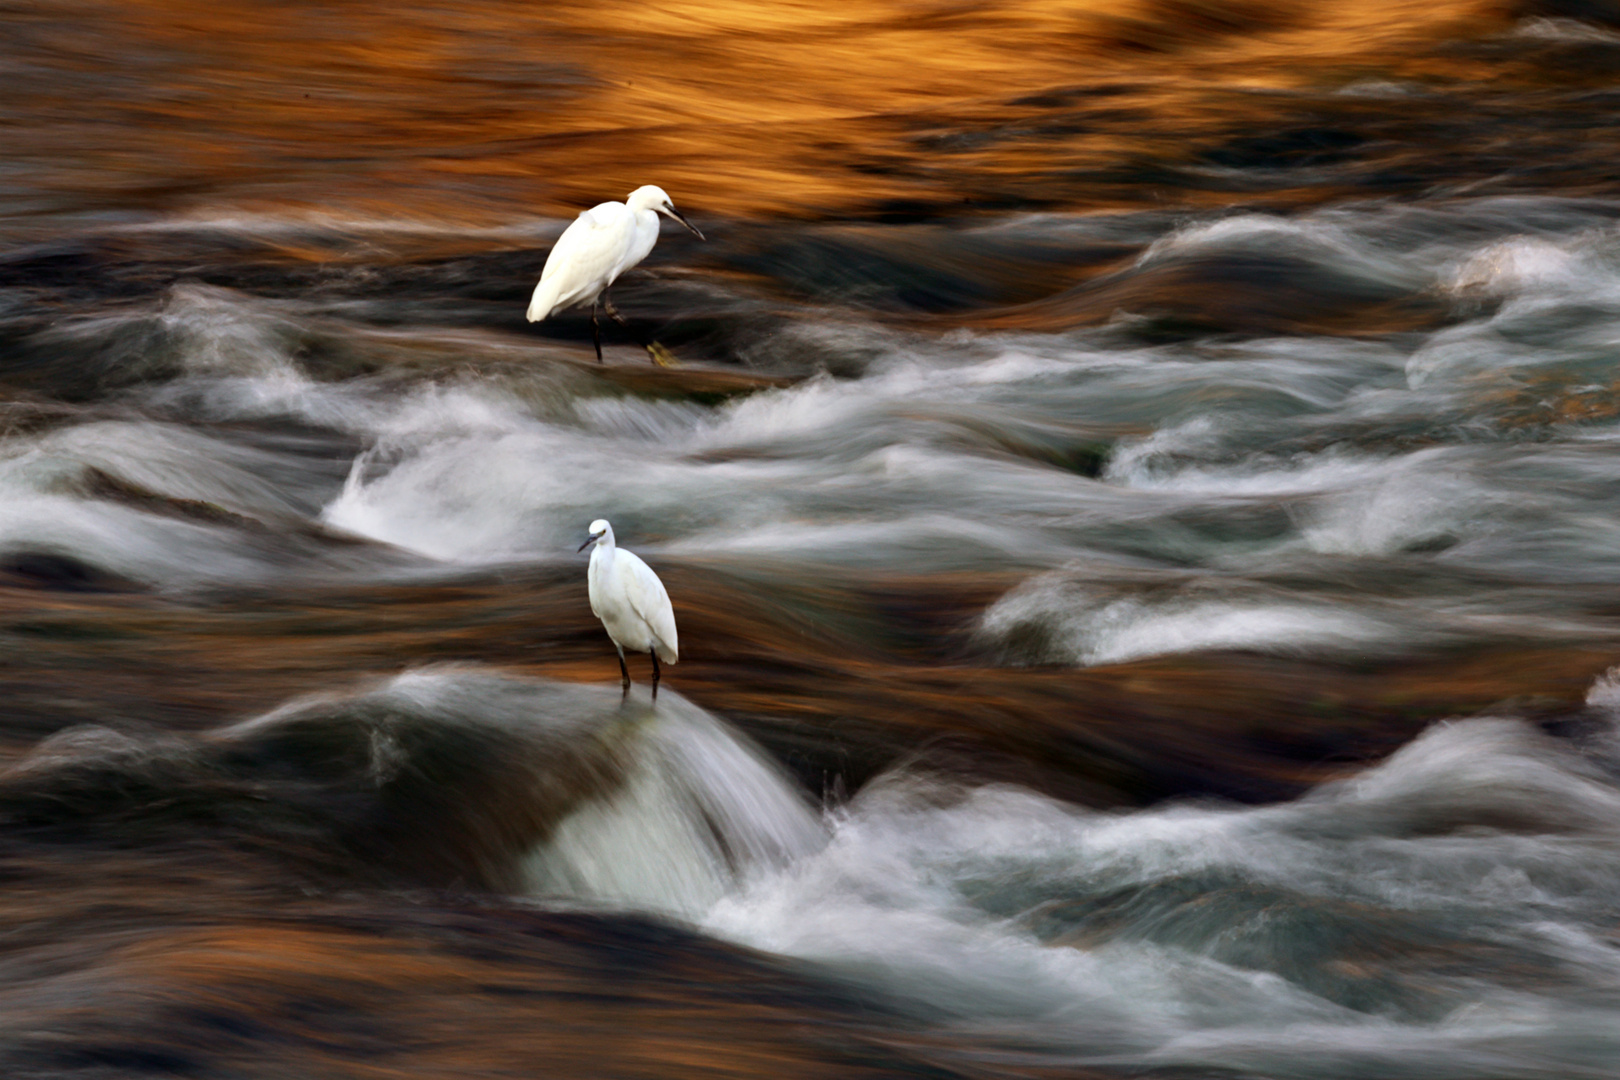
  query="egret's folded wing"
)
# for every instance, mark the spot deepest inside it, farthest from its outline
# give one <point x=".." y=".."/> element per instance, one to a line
<point x="649" y="600"/>
<point x="583" y="259"/>
<point x="593" y="244"/>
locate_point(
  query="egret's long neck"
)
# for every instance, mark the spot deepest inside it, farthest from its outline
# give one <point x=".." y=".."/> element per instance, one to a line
<point x="605" y="547"/>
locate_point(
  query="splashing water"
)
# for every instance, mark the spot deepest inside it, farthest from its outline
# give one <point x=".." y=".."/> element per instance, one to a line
<point x="700" y="812"/>
<point x="1317" y="938"/>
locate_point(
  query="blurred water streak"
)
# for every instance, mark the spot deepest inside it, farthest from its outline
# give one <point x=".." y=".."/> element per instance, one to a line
<point x="1139" y="502"/>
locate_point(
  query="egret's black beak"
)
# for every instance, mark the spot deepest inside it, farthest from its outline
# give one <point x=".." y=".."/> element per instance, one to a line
<point x="589" y="540"/>
<point x="676" y="214"/>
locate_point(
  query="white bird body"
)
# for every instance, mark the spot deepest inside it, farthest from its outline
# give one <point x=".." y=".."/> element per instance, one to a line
<point x="602" y="243"/>
<point x="631" y="602"/>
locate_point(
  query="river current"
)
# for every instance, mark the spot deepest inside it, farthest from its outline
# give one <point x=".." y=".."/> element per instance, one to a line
<point x="1160" y="625"/>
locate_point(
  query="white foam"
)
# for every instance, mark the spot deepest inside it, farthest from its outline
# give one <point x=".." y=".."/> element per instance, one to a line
<point x="1045" y="926"/>
<point x="843" y="470"/>
<point x="44" y="511"/>
<point x="1244" y="230"/>
<point x="1176" y="458"/>
<point x="1416" y="498"/>
<point x="381" y="231"/>
<point x="1329" y="238"/>
<point x="700" y="812"/>
<point x="1080" y="625"/>
<point x="1513" y="265"/>
<point x="1604" y="692"/>
<point x="1563" y="31"/>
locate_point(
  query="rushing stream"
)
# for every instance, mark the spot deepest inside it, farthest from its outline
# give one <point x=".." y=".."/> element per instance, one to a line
<point x="1145" y="541"/>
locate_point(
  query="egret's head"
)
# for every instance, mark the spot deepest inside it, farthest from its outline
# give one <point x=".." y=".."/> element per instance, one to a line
<point x="599" y="529"/>
<point x="653" y="197"/>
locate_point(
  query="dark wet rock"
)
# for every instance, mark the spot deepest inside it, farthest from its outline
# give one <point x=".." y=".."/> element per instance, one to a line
<point x="1296" y="148"/>
<point x="1603" y="12"/>
<point x="924" y="269"/>
<point x="370" y="787"/>
<point x="59" y="572"/>
<point x="1246" y="292"/>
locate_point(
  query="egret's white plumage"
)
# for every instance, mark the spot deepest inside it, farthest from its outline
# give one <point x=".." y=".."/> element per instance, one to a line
<point x="631" y="602"/>
<point x="602" y="243"/>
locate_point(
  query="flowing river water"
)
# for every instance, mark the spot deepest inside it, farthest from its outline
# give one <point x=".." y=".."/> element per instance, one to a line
<point x="1140" y="498"/>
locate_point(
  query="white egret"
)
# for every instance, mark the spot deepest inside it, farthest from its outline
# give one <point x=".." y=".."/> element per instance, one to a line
<point x="602" y="243"/>
<point x="631" y="602"/>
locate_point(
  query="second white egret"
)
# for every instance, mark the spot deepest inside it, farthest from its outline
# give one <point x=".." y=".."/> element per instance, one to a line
<point x="631" y="602"/>
<point x="602" y="243"/>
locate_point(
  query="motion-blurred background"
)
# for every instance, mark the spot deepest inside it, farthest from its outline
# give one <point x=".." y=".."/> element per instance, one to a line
<point x="1139" y="502"/>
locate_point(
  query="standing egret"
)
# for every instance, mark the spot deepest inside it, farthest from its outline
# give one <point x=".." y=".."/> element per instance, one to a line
<point x="631" y="602"/>
<point x="602" y="243"/>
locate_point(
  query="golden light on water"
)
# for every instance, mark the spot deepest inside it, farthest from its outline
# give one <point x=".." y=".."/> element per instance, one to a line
<point x="490" y="109"/>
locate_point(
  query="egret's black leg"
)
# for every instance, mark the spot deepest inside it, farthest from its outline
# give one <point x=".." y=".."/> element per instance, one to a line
<point x="655" y="673"/>
<point x="596" y="339"/>
<point x="623" y="670"/>
<point x="660" y="355"/>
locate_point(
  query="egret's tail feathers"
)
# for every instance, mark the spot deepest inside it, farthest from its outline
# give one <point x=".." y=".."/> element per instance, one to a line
<point x="543" y="302"/>
<point x="666" y="653"/>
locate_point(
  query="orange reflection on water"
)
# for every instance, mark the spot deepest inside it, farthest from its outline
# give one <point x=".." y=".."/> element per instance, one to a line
<point x="492" y="108"/>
